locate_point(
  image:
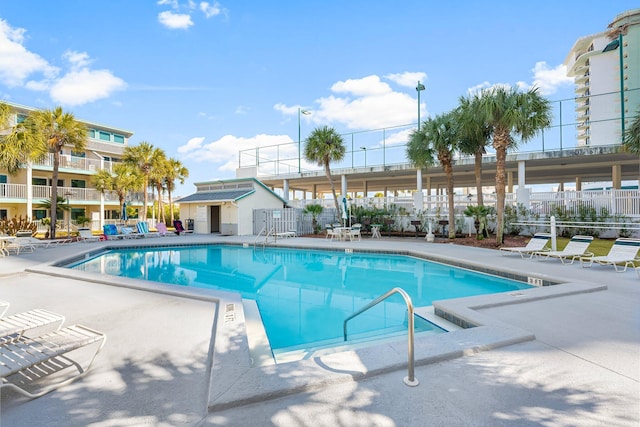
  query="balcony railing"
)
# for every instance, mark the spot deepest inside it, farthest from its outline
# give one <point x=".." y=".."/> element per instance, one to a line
<point x="76" y="195"/>
<point x="73" y="162"/>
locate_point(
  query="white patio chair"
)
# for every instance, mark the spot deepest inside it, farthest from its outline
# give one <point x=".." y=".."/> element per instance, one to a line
<point x="27" y="361"/>
<point x="535" y="245"/>
<point x="576" y="248"/>
<point x="624" y="251"/>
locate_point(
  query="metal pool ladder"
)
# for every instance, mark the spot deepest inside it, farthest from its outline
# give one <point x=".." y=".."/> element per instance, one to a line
<point x="410" y="379"/>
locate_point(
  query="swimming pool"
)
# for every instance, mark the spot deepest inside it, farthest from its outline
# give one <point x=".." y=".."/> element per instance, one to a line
<point x="304" y="295"/>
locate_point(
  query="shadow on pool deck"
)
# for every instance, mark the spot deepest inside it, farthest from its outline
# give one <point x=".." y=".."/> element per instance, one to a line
<point x="582" y="366"/>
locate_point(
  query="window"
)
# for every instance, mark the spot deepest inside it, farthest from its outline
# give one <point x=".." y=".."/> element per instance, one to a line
<point x="91" y="133"/>
<point x="38" y="181"/>
<point x="3" y="214"/>
<point x="60" y="182"/>
<point x="76" y="212"/>
<point x="20" y="118"/>
<point x="118" y="138"/>
<point x="79" y="154"/>
<point x="3" y="188"/>
<point x="3" y="179"/>
<point x="38" y="214"/>
<point x="78" y="183"/>
<point x="105" y="136"/>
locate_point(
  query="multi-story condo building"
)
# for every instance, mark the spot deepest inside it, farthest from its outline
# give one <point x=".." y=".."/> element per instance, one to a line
<point x="606" y="69"/>
<point x="22" y="194"/>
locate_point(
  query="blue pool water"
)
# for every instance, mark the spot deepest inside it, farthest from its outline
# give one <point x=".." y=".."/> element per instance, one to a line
<point x="305" y="295"/>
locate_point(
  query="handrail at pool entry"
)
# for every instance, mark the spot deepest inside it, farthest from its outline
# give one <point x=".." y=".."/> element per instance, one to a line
<point x="410" y="379"/>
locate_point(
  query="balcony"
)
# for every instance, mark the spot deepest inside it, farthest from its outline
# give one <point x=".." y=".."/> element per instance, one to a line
<point x="73" y="163"/>
<point x="17" y="193"/>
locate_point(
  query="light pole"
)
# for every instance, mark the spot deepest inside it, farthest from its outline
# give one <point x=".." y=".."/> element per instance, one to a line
<point x="365" y="155"/>
<point x="67" y="194"/>
<point x="419" y="89"/>
<point x="306" y="113"/>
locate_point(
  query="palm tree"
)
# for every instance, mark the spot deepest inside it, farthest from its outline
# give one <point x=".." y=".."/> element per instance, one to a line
<point x="17" y="144"/>
<point x="122" y="180"/>
<point x="437" y="138"/>
<point x="474" y="135"/>
<point x="55" y="130"/>
<point x="175" y="171"/>
<point x="143" y="156"/>
<point x="157" y="180"/>
<point x="323" y="146"/>
<point x="508" y="112"/>
<point x="631" y="140"/>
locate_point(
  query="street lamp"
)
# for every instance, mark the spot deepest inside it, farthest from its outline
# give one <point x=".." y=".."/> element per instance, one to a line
<point x="67" y="194"/>
<point x="419" y="89"/>
<point x="365" y="155"/>
<point x="306" y="113"/>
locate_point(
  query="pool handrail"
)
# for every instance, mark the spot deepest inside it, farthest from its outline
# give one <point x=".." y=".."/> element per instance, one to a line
<point x="410" y="379"/>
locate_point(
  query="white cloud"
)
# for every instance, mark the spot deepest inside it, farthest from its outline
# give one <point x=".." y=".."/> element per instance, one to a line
<point x="191" y="145"/>
<point x="77" y="59"/>
<point x="16" y="62"/>
<point x="223" y="153"/>
<point x="210" y="9"/>
<point x="366" y="103"/>
<point x="407" y="79"/>
<point x="172" y="3"/>
<point x="175" y="20"/>
<point x="550" y="79"/>
<point x="366" y="86"/>
<point x="82" y="86"/>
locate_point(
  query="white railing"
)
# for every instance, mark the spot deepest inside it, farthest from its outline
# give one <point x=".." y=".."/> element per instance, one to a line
<point x="614" y="202"/>
<point x="73" y="162"/>
<point x="76" y="195"/>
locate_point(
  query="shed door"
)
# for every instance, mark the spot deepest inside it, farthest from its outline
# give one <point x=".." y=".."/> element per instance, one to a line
<point x="215" y="219"/>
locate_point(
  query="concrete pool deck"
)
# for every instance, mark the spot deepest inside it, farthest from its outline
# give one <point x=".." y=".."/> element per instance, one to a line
<point x="582" y="368"/>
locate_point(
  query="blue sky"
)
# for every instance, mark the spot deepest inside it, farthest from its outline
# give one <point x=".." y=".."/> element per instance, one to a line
<point x="203" y="80"/>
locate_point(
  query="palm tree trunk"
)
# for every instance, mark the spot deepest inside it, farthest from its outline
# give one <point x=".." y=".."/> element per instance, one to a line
<point x="327" y="172"/>
<point x="145" y="198"/>
<point x="448" y="170"/>
<point x="54" y="194"/>
<point x="478" y="174"/>
<point x="500" y="144"/>
<point x="170" y="205"/>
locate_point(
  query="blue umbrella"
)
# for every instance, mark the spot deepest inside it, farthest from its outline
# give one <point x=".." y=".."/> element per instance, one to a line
<point x="124" y="211"/>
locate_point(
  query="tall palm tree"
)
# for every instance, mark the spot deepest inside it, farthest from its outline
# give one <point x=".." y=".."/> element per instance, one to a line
<point x="122" y="180"/>
<point x="437" y="138"/>
<point x="509" y="112"/>
<point x="323" y="146"/>
<point x="475" y="134"/>
<point x="56" y="130"/>
<point x="143" y="156"/>
<point x="157" y="180"/>
<point x="631" y="140"/>
<point x="18" y="145"/>
<point x="175" y="171"/>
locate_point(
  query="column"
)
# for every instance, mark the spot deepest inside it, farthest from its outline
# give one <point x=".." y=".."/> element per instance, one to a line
<point x="314" y="192"/>
<point x="285" y="190"/>
<point x="616" y="176"/>
<point x="418" y="197"/>
<point x="365" y="185"/>
<point x="29" y="190"/>
<point x="578" y="183"/>
<point x="343" y="185"/>
<point x="523" y="196"/>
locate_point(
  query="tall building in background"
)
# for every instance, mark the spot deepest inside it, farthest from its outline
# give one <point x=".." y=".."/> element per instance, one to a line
<point x="606" y="70"/>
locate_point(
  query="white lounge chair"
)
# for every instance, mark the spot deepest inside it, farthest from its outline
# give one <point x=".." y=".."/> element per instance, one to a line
<point x="163" y="231"/>
<point x="624" y="251"/>
<point x="4" y="306"/>
<point x="13" y="328"/>
<point x="85" y="235"/>
<point x="576" y="248"/>
<point x="536" y="244"/>
<point x="27" y="361"/>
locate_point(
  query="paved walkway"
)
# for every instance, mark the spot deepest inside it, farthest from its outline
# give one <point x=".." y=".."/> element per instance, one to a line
<point x="583" y="368"/>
